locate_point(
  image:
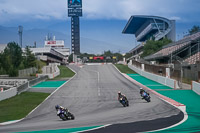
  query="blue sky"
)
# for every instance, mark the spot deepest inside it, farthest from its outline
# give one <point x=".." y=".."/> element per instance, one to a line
<point x="46" y="13"/>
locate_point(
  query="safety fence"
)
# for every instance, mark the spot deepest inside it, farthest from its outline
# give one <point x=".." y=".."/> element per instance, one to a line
<point x="160" y="79"/>
<point x="196" y="87"/>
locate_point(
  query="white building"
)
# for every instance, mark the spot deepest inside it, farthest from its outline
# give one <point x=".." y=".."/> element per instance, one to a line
<point x="53" y="51"/>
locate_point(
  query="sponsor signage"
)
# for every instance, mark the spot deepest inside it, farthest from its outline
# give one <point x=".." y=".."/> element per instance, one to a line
<point x="51" y="42"/>
<point x="74" y="3"/>
<point x="74" y="12"/>
<point x="58" y="42"/>
<point x="98" y="57"/>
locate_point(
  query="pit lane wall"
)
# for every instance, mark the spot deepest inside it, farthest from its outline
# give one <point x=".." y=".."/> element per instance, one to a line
<point x="196" y="87"/>
<point x="160" y="79"/>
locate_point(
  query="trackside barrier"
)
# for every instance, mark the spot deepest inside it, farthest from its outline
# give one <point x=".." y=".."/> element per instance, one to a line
<point x="160" y="79"/>
<point x="17" y="90"/>
<point x="196" y="87"/>
<point x="8" y="93"/>
<point x="37" y="80"/>
<point x="180" y="106"/>
<point x="23" y="87"/>
<point x="51" y="71"/>
<point x="27" y="85"/>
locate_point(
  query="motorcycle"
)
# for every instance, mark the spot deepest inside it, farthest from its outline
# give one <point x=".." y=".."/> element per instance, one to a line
<point x="65" y="115"/>
<point x="124" y="101"/>
<point x="146" y="97"/>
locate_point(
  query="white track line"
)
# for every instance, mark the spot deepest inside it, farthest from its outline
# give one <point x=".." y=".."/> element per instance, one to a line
<point x="15" y="121"/>
<point x="99" y="89"/>
<point x="93" y="129"/>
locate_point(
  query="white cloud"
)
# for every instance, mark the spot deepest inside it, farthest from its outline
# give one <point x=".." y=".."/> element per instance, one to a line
<point x="98" y="9"/>
<point x="175" y="18"/>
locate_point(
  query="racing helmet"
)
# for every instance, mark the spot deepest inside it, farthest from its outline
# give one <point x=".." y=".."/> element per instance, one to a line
<point x="119" y="92"/>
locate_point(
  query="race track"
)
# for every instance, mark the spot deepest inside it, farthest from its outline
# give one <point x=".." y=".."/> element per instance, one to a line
<point x="92" y="97"/>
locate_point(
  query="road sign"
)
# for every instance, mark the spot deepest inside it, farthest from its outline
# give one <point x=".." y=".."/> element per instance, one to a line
<point x="74" y="3"/>
<point x="74" y="12"/>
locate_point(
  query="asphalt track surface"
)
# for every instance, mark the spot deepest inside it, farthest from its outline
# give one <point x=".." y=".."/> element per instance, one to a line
<point x="92" y="97"/>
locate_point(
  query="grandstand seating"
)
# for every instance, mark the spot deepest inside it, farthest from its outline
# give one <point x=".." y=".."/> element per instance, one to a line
<point x="169" y="50"/>
<point x="178" y="45"/>
<point x="193" y="59"/>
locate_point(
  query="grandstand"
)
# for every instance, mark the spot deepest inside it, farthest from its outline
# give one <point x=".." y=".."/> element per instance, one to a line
<point x="52" y="52"/>
<point x="186" y="49"/>
<point x="49" y="55"/>
<point x="148" y="27"/>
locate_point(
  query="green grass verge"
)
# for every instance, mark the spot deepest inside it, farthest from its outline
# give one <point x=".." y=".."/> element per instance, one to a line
<point x="124" y="69"/>
<point x="65" y="72"/>
<point x="19" y="106"/>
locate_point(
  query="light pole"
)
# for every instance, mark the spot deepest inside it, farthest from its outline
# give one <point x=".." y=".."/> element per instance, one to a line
<point x="181" y="72"/>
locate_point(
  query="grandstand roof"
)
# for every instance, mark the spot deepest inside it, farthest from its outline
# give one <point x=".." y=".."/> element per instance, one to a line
<point x="136" y="21"/>
<point x="144" y="26"/>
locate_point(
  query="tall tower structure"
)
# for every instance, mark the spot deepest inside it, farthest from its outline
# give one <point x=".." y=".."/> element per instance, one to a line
<point x="75" y="11"/>
<point x="20" y="30"/>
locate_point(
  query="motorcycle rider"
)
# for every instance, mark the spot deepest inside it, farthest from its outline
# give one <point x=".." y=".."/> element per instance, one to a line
<point x="143" y="93"/>
<point x="120" y="95"/>
<point x="61" y="108"/>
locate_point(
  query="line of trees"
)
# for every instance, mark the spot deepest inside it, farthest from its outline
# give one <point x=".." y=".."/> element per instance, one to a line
<point x="13" y="59"/>
<point x="152" y="46"/>
<point x="194" y="29"/>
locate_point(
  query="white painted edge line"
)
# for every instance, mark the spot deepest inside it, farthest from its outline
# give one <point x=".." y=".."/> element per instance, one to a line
<point x="183" y="109"/>
<point x="117" y="69"/>
<point x="93" y="128"/>
<point x="99" y="89"/>
<point x="182" y="121"/>
<point x="10" y="122"/>
<point x="15" y="121"/>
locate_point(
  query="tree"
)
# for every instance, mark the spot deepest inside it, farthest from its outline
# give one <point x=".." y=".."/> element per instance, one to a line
<point x="152" y="46"/>
<point x="2" y="71"/>
<point x="128" y="55"/>
<point x="11" y="58"/>
<point x="29" y="60"/>
<point x="118" y="55"/>
<point x="108" y="53"/>
<point x="194" y="29"/>
<point x="70" y="59"/>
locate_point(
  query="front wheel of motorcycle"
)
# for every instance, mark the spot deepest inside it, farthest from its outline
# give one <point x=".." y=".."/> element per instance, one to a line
<point x="64" y="118"/>
<point x="72" y="117"/>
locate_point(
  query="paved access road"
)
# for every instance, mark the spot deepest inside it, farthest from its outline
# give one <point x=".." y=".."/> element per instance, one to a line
<point x="92" y="97"/>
